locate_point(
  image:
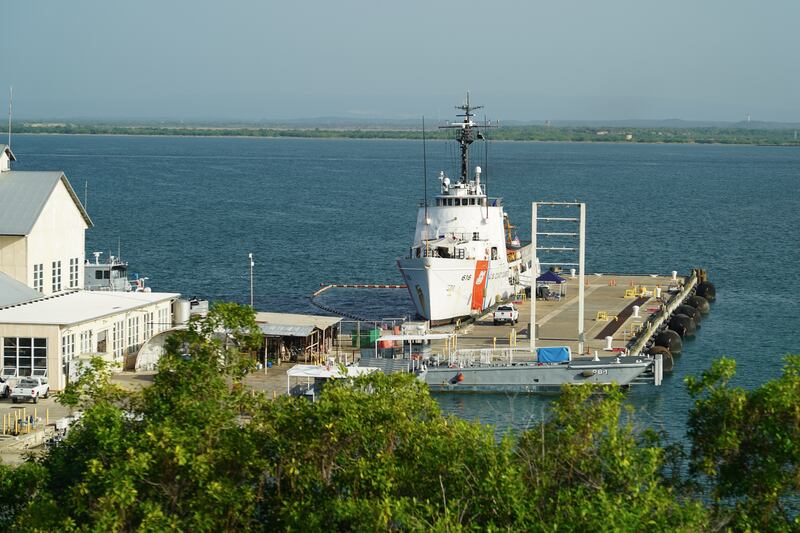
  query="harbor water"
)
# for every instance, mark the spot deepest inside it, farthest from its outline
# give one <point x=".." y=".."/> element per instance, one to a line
<point x="186" y="212"/>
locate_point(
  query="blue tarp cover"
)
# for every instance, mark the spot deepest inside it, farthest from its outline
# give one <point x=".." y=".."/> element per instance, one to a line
<point x="554" y="354"/>
<point x="550" y="277"/>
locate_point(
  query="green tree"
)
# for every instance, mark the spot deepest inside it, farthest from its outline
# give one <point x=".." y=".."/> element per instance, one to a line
<point x="377" y="454"/>
<point x="587" y="469"/>
<point x="746" y="444"/>
<point x="172" y="456"/>
<point x="197" y="451"/>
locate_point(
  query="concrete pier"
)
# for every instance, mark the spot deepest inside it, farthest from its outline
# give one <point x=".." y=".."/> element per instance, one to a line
<point x="610" y="311"/>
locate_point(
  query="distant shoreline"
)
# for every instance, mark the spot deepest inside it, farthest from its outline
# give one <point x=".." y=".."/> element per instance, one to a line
<point x="616" y="135"/>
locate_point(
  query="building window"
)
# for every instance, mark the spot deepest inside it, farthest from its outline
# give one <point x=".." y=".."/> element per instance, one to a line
<point x="148" y="325"/>
<point x="38" y="277"/>
<point x="119" y="327"/>
<point x="476" y="236"/>
<point x="73" y="273"/>
<point x="133" y="333"/>
<point x="24" y="354"/>
<point x="86" y="341"/>
<point x="67" y="348"/>
<point x="163" y="320"/>
<point x="56" y="276"/>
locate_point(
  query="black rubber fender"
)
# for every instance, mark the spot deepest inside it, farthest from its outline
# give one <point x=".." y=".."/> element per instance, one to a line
<point x="682" y="323"/>
<point x="699" y="303"/>
<point x="666" y="357"/>
<point x="707" y="290"/>
<point x="692" y="312"/>
<point x="670" y="340"/>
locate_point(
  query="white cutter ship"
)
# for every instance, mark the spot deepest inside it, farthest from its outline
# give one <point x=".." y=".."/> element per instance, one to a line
<point x="464" y="258"/>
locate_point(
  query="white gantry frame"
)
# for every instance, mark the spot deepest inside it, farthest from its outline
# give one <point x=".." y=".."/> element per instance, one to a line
<point x="580" y="234"/>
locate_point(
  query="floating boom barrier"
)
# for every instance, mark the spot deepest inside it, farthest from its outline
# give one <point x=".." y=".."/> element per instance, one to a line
<point x="326" y="287"/>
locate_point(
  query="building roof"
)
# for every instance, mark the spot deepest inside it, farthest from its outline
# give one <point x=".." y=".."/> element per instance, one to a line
<point x="13" y="292"/>
<point x="79" y="306"/>
<point x="321" y="371"/>
<point x="291" y="319"/>
<point x="277" y="330"/>
<point x="6" y="148"/>
<point x="24" y="194"/>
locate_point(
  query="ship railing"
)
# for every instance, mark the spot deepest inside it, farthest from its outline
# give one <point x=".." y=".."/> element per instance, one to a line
<point x="489" y="356"/>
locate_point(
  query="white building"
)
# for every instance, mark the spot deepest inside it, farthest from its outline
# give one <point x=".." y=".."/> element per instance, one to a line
<point x="42" y="228"/>
<point x="48" y="324"/>
<point x="51" y="334"/>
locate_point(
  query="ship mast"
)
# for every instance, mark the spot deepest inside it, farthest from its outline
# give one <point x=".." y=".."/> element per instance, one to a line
<point x="466" y="135"/>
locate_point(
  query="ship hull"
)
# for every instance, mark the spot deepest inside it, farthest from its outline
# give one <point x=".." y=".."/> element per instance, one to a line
<point x="531" y="378"/>
<point x="445" y="290"/>
<point x="527" y="377"/>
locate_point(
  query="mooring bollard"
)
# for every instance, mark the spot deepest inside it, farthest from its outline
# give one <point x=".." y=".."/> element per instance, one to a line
<point x="609" y="340"/>
<point x="636" y="311"/>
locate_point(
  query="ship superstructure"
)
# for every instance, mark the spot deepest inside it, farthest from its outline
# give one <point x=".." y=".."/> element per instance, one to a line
<point x="111" y="275"/>
<point x="461" y="261"/>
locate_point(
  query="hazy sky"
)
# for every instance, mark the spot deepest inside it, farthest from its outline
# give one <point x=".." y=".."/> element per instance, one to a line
<point x="529" y="60"/>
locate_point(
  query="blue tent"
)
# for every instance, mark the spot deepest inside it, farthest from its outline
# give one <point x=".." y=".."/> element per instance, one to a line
<point x="550" y="277"/>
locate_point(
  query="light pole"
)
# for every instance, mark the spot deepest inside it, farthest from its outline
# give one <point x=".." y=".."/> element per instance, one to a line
<point x="252" y="264"/>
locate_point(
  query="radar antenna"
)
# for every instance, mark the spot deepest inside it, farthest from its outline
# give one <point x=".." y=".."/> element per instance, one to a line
<point x="466" y="134"/>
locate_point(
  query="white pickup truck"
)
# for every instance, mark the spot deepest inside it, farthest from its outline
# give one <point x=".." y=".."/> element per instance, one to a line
<point x="30" y="388"/>
<point x="5" y="387"/>
<point x="506" y="313"/>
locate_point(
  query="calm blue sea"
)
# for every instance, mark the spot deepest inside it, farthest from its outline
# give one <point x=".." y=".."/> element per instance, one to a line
<point x="187" y="211"/>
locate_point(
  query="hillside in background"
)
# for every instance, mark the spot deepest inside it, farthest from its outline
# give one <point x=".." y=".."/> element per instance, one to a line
<point x="650" y="131"/>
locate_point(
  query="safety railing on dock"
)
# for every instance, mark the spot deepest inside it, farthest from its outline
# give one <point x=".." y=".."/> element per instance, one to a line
<point x="652" y="324"/>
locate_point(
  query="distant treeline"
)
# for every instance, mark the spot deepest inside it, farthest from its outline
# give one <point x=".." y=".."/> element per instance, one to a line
<point x="768" y="137"/>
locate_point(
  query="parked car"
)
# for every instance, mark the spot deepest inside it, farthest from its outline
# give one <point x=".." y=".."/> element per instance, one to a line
<point x="506" y="314"/>
<point x="30" y="388"/>
<point x="5" y="388"/>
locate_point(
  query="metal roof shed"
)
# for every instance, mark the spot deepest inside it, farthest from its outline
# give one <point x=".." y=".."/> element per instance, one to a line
<point x="290" y="336"/>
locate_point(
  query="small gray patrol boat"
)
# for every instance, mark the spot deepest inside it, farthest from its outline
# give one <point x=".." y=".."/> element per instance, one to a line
<point x="493" y="370"/>
<point x="111" y="275"/>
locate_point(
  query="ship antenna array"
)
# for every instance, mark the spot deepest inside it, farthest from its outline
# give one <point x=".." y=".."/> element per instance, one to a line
<point x="486" y="166"/>
<point x="465" y="135"/>
<point x="424" y="170"/>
